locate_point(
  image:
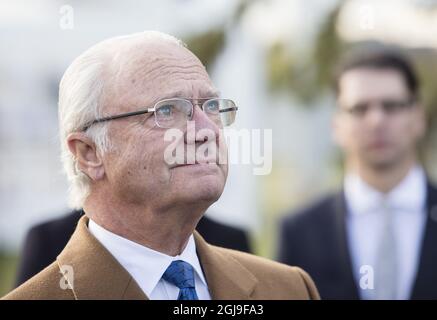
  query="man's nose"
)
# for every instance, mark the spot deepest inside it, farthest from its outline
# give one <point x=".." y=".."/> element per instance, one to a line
<point x="205" y="128"/>
<point x="376" y="116"/>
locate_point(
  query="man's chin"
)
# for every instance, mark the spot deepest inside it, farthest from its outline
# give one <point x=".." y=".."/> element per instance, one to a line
<point x="208" y="191"/>
<point x="382" y="163"/>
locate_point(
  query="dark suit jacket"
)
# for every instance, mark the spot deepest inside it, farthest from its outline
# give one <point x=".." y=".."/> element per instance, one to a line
<point x="315" y="240"/>
<point x="45" y="241"/>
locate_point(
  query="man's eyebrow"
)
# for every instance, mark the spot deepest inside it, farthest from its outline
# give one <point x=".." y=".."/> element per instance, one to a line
<point x="210" y="94"/>
<point x="182" y="94"/>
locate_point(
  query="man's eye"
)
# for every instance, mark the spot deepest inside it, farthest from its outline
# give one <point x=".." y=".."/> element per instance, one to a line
<point x="392" y="106"/>
<point x="165" y="111"/>
<point x="212" y="106"/>
<point x="359" y="109"/>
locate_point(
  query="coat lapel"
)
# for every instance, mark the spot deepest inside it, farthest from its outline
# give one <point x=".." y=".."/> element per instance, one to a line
<point x="424" y="287"/>
<point x="96" y="273"/>
<point x="340" y="245"/>
<point x="227" y="279"/>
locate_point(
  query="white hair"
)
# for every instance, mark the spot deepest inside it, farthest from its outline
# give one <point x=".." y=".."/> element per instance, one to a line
<point x="80" y="102"/>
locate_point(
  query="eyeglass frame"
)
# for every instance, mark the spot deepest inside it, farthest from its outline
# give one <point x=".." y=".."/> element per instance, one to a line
<point x="402" y="105"/>
<point x="153" y="109"/>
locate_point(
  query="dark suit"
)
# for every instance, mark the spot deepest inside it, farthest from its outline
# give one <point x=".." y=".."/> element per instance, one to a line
<point x="45" y="241"/>
<point x="315" y="240"/>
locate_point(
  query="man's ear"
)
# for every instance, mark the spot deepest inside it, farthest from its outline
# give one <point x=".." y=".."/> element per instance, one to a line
<point x="420" y="121"/>
<point x="88" y="159"/>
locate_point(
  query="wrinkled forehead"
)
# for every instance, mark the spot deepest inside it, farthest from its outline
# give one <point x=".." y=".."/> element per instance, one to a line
<point x="145" y="73"/>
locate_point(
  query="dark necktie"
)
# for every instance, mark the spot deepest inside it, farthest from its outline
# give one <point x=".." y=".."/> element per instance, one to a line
<point x="181" y="274"/>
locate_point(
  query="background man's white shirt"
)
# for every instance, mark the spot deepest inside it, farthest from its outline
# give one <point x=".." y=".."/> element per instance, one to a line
<point x="147" y="266"/>
<point x="365" y="220"/>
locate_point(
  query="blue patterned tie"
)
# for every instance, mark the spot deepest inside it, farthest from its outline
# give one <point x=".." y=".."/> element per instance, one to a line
<point x="181" y="274"/>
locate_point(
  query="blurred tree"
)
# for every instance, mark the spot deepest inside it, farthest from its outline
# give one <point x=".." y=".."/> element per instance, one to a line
<point x="327" y="50"/>
<point x="208" y="45"/>
<point x="306" y="77"/>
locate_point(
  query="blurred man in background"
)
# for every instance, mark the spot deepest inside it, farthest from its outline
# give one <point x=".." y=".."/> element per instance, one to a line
<point x="376" y="238"/>
<point x="45" y="241"/>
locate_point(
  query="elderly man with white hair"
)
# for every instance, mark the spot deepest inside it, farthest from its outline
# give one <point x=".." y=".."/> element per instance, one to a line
<point x="117" y="103"/>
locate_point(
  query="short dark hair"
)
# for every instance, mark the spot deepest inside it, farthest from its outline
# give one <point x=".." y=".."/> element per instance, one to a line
<point x="379" y="59"/>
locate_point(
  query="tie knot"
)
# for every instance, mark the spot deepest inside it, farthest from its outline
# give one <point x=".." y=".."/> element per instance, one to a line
<point x="180" y="273"/>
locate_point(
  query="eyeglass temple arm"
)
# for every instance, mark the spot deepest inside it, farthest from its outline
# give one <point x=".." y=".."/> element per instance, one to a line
<point x="228" y="109"/>
<point x="123" y="115"/>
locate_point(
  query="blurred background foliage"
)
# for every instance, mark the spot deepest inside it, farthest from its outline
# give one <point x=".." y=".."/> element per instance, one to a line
<point x="8" y="267"/>
<point x="307" y="78"/>
<point x="207" y="45"/>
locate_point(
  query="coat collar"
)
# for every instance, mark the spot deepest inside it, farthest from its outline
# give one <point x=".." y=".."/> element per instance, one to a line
<point x="98" y="275"/>
<point x="226" y="277"/>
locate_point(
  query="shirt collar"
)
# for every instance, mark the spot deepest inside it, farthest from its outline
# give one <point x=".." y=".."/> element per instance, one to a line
<point x="409" y="195"/>
<point x="145" y="265"/>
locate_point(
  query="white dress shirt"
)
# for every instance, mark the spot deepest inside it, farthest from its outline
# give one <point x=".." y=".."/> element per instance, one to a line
<point x="147" y="266"/>
<point x="364" y="224"/>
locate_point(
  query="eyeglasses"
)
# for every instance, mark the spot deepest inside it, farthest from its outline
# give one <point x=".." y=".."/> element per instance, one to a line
<point x="174" y="113"/>
<point x="389" y="106"/>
